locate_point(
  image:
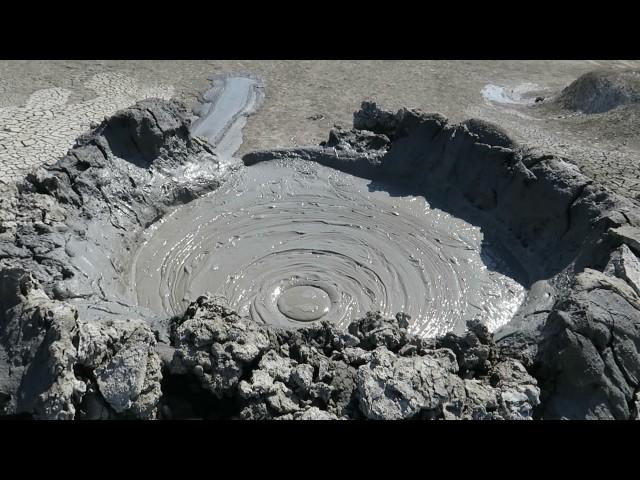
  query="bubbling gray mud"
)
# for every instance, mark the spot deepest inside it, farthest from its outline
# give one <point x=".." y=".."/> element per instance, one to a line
<point x="290" y="241"/>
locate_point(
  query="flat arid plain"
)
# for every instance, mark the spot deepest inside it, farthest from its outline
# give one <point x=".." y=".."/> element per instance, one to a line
<point x="306" y="98"/>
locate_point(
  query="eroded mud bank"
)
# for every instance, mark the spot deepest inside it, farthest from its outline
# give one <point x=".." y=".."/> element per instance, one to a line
<point x="75" y="343"/>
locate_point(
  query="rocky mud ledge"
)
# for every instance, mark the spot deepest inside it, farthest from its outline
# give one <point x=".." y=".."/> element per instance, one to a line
<point x="74" y="344"/>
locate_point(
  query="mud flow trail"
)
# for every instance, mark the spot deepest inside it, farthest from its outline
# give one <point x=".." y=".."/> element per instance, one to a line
<point x="290" y="242"/>
<point x="223" y="111"/>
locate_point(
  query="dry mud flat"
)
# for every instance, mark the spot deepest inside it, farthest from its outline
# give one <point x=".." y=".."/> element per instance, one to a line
<point x="76" y="342"/>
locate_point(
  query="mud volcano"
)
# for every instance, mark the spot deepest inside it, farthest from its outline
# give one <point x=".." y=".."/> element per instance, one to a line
<point x="600" y="91"/>
<point x="150" y="274"/>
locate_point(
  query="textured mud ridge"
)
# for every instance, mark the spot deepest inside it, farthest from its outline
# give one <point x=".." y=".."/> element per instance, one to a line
<point x="75" y="342"/>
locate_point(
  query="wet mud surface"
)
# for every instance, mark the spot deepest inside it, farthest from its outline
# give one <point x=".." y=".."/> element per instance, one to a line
<point x="285" y="224"/>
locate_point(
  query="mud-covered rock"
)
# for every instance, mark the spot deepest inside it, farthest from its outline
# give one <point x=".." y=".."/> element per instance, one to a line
<point x="67" y="368"/>
<point x="127" y="378"/>
<point x="590" y="360"/>
<point x="489" y="133"/>
<point x="628" y="234"/>
<point x="358" y="140"/>
<point x="371" y="118"/>
<point x="268" y="386"/>
<point x="49" y="388"/>
<point x="214" y="345"/>
<point x="635" y="414"/>
<point x="624" y="264"/>
<point x="474" y="350"/>
<point x="314" y="413"/>
<point x="394" y="388"/>
<point x="481" y="401"/>
<point x="374" y="330"/>
<point x="518" y="391"/>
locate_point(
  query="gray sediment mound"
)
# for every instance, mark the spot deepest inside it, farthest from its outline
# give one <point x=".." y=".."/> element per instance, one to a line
<point x="601" y="90"/>
<point x="74" y="343"/>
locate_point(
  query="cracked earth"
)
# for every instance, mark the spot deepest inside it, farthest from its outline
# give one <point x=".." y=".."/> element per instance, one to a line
<point x="46" y="126"/>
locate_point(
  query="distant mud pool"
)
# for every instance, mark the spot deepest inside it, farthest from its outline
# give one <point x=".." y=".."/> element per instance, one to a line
<point x="290" y="242"/>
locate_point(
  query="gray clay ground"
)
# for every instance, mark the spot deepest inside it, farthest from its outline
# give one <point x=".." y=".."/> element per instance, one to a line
<point x="304" y="99"/>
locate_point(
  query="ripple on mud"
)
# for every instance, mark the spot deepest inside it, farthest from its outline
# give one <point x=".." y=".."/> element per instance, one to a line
<point x="288" y="224"/>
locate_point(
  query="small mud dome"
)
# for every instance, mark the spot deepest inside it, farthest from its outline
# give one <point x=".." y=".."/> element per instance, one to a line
<point x="601" y="91"/>
<point x="290" y="241"/>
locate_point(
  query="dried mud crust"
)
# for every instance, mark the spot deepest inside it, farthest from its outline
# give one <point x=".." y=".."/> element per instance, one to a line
<point x="73" y="344"/>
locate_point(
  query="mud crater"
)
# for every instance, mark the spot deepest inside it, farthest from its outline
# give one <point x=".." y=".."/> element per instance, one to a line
<point x="106" y="250"/>
<point x="352" y="244"/>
